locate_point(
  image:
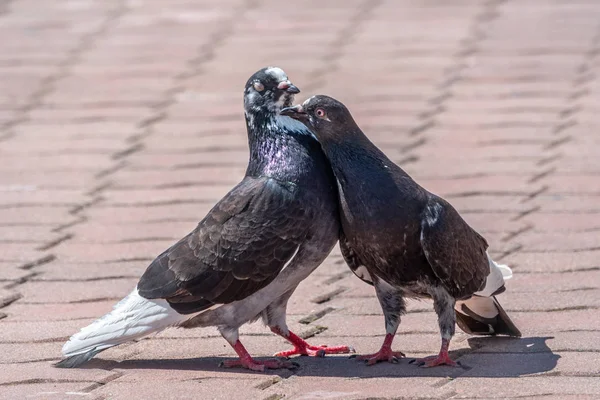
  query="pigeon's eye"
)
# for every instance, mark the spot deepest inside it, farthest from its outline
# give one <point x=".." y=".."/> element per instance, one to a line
<point x="259" y="86"/>
<point x="320" y="113"/>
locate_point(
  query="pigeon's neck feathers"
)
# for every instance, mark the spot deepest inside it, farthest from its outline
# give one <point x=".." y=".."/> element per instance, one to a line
<point x="366" y="175"/>
<point x="353" y="149"/>
<point x="279" y="146"/>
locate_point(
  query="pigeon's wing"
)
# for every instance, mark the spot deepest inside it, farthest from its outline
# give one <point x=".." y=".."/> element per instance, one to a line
<point x="456" y="253"/>
<point x="353" y="261"/>
<point x="237" y="249"/>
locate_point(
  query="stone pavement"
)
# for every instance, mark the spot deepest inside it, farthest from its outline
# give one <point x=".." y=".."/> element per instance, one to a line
<point x="121" y="124"/>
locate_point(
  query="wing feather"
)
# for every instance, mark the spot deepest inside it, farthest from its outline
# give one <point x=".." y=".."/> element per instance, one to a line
<point x="237" y="249"/>
<point x="455" y="251"/>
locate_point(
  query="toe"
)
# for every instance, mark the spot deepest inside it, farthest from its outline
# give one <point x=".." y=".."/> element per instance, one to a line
<point x="372" y="361"/>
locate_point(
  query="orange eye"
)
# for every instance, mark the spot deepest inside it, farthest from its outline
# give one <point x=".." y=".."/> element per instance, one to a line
<point x="320" y="113"/>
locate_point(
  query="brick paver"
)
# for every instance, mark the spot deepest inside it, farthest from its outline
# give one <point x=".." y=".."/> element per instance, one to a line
<point x="121" y="124"/>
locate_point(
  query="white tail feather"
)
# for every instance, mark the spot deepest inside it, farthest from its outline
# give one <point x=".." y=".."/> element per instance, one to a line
<point x="131" y="318"/>
<point x="506" y="271"/>
<point x="495" y="280"/>
<point x="482" y="304"/>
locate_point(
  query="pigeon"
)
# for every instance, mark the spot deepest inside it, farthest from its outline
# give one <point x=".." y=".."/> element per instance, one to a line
<point x="404" y="240"/>
<point x="247" y="256"/>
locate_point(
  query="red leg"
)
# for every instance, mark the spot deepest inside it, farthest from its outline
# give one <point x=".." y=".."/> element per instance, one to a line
<point x="301" y="347"/>
<point x="384" y="354"/>
<point x="246" y="361"/>
<point x="441" y="359"/>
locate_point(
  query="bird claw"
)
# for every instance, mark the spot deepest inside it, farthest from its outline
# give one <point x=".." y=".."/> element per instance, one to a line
<point x="434" y="361"/>
<point x="315" y="351"/>
<point x="259" y="366"/>
<point x="382" y="355"/>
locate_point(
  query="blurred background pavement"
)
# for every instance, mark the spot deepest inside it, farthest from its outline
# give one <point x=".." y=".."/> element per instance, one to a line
<point x="121" y="124"/>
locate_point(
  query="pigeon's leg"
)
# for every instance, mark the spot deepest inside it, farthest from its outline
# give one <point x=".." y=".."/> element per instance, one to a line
<point x="275" y="318"/>
<point x="393" y="305"/>
<point x="245" y="360"/>
<point x="443" y="303"/>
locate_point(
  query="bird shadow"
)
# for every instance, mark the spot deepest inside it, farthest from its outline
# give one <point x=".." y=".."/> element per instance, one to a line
<point x="492" y="357"/>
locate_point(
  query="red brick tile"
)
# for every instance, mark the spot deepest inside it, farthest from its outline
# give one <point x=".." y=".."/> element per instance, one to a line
<point x="46" y="197"/>
<point x="544" y="283"/>
<point x="158" y="213"/>
<point x="18" y="332"/>
<point x="558" y="342"/>
<point x="94" y="253"/>
<point x="559" y="221"/>
<point x="544" y="262"/>
<point x="506" y="184"/>
<point x="19" y="253"/>
<point x="43" y="371"/>
<point x="66" y="292"/>
<point x="28" y="179"/>
<point x="157" y="389"/>
<point x="56" y="390"/>
<point x="10" y="271"/>
<point x="140" y="197"/>
<point x="559" y="241"/>
<point x="28" y="352"/>
<point x="24" y="234"/>
<point x="493" y="365"/>
<point x="488" y="148"/>
<point x="158" y="178"/>
<point x="501" y="388"/>
<point x="76" y="271"/>
<point x="539" y="323"/>
<point x="64" y="147"/>
<point x="25" y="311"/>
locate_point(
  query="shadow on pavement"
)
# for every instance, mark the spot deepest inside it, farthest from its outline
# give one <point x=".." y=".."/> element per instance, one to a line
<point x="495" y="357"/>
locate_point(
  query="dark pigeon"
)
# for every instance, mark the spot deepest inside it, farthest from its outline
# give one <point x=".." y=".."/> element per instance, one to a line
<point x="404" y="240"/>
<point x="247" y="256"/>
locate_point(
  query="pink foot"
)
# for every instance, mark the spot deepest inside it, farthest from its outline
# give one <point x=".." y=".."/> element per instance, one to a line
<point x="314" y="351"/>
<point x="301" y="347"/>
<point x="259" y="366"/>
<point x="246" y="361"/>
<point x="441" y="359"/>
<point x="434" y="361"/>
<point x="385" y="354"/>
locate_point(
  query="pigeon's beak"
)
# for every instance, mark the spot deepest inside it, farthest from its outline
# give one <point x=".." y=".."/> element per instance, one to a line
<point x="295" y="112"/>
<point x="288" y="87"/>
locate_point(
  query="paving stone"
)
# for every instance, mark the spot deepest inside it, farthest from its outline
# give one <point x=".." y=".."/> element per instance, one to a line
<point x="41" y="292"/>
<point x="559" y="341"/>
<point x="500" y="388"/>
<point x="546" y="262"/>
<point x="39" y="331"/>
<point x="493" y="106"/>
<point x="15" y="373"/>
<point x="110" y="253"/>
<point x="20" y="311"/>
<point x="565" y="364"/>
<point x="25" y="353"/>
<point x="158" y="389"/>
<point x="58" y="390"/>
<point x="74" y="272"/>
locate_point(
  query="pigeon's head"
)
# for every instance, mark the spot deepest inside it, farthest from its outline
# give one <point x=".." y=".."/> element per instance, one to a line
<point x="268" y="91"/>
<point x="325" y="116"/>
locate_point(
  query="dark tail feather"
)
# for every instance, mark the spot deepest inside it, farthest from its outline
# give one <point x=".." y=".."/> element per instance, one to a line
<point x="504" y="325"/>
<point x="475" y="324"/>
<point x="77" y="360"/>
